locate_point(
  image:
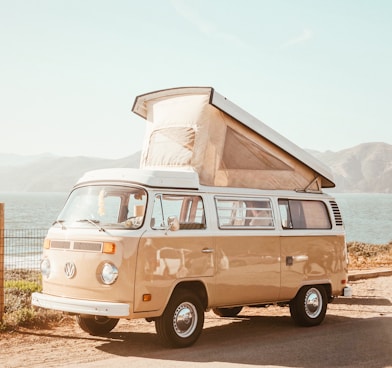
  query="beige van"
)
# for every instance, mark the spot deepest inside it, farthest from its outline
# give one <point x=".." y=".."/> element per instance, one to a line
<point x="223" y="213"/>
<point x="156" y="244"/>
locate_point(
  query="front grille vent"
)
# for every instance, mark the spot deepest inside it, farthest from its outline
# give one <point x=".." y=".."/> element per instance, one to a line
<point x="76" y="245"/>
<point x="90" y="246"/>
<point x="60" y="244"/>
<point x="336" y="213"/>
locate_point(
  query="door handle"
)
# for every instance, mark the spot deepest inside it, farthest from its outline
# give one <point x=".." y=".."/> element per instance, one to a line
<point x="301" y="258"/>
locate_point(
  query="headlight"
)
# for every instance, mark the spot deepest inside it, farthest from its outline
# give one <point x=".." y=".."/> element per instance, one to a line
<point x="109" y="273"/>
<point x="45" y="267"/>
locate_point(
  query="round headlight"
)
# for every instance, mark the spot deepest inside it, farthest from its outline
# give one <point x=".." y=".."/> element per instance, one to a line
<point x="109" y="273"/>
<point x="45" y="267"/>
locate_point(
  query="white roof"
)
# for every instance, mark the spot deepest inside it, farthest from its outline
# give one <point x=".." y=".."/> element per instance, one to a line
<point x="153" y="178"/>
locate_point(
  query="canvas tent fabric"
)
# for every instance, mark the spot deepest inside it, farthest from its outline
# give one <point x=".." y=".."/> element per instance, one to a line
<point x="198" y="129"/>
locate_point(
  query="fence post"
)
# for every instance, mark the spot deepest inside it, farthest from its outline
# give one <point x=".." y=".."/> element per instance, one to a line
<point x="2" y="297"/>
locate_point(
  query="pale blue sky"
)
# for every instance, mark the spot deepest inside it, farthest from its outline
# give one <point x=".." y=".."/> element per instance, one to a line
<point x="318" y="72"/>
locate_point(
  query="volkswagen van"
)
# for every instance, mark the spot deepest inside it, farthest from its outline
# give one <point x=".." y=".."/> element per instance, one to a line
<point x="158" y="245"/>
<point x="223" y="213"/>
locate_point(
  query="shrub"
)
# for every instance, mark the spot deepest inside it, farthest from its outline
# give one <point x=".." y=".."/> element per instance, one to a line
<point x="363" y="255"/>
<point x="18" y="312"/>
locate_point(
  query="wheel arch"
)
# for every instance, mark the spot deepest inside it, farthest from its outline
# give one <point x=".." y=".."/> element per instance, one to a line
<point x="326" y="285"/>
<point x="197" y="287"/>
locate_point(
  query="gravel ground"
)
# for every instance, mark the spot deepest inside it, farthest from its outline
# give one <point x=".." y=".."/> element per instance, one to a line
<point x="134" y="343"/>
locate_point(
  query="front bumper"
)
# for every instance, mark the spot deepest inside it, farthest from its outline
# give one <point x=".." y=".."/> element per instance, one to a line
<point x="80" y="306"/>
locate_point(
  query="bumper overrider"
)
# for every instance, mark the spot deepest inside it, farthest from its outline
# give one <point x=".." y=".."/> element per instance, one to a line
<point x="80" y="306"/>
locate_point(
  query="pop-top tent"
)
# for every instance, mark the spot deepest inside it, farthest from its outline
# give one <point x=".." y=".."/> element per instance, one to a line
<point x="197" y="128"/>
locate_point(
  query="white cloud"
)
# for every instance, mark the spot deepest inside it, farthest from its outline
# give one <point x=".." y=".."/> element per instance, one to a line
<point x="191" y="14"/>
<point x="306" y="35"/>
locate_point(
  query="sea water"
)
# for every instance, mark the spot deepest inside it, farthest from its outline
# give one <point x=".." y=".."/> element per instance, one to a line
<point x="367" y="217"/>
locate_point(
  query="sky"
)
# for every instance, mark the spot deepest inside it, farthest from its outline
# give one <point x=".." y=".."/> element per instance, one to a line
<point x="318" y="72"/>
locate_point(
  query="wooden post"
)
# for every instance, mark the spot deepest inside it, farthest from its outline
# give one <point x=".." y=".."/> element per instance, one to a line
<point x="2" y="297"/>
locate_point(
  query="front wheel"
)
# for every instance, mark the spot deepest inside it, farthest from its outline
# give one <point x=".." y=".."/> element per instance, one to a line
<point x="309" y="307"/>
<point x="96" y="325"/>
<point x="182" y="321"/>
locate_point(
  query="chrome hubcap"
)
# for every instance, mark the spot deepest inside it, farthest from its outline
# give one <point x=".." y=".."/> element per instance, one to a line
<point x="185" y="319"/>
<point x="313" y="303"/>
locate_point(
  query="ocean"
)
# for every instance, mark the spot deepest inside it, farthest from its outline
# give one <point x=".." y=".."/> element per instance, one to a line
<point x="367" y="217"/>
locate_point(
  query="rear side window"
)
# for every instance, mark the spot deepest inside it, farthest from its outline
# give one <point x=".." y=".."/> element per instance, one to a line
<point x="303" y="214"/>
<point x="244" y="213"/>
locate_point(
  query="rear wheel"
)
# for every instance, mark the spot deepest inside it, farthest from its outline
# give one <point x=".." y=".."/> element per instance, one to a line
<point x="309" y="307"/>
<point x="96" y="325"/>
<point x="182" y="321"/>
<point x="227" y="312"/>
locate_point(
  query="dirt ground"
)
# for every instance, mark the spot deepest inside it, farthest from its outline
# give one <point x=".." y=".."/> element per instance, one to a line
<point x="67" y="345"/>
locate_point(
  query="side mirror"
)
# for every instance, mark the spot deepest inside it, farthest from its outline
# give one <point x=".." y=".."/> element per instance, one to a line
<point x="173" y="223"/>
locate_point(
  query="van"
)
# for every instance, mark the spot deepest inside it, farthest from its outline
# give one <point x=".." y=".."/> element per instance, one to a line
<point x="223" y="213"/>
<point x="125" y="246"/>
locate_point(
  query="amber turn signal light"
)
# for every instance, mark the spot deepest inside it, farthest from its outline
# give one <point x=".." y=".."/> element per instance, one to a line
<point x="46" y="244"/>
<point x="109" y="248"/>
<point x="147" y="297"/>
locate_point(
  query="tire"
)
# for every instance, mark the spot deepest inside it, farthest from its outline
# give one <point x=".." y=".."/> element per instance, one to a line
<point x="227" y="312"/>
<point x="182" y="321"/>
<point x="309" y="307"/>
<point x="96" y="325"/>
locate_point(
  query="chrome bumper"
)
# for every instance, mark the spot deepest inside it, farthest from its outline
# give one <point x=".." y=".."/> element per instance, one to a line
<point x="80" y="306"/>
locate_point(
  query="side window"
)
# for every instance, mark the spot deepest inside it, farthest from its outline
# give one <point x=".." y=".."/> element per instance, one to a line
<point x="316" y="215"/>
<point x="231" y="212"/>
<point x="188" y="209"/>
<point x="244" y="213"/>
<point x="303" y="214"/>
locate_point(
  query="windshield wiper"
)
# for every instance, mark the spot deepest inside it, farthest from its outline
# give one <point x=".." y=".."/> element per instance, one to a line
<point x="61" y="223"/>
<point x="93" y="222"/>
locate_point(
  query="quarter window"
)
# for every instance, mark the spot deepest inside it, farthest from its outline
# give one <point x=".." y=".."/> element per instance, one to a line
<point x="244" y="213"/>
<point x="302" y="214"/>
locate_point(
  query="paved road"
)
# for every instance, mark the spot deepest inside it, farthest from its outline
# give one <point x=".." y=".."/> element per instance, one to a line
<point x="269" y="341"/>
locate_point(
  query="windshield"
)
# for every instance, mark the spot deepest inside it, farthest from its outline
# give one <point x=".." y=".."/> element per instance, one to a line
<point x="106" y="206"/>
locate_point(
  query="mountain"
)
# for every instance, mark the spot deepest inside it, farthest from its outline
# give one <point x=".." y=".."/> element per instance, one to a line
<point x="363" y="168"/>
<point x="49" y="173"/>
<point x="366" y="168"/>
<point x="10" y="159"/>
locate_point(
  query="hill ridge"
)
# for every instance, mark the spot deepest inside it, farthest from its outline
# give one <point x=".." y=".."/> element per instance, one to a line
<point x="366" y="167"/>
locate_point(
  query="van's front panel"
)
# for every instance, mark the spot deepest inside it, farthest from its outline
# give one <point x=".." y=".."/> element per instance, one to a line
<point x="90" y="253"/>
<point x="77" y="270"/>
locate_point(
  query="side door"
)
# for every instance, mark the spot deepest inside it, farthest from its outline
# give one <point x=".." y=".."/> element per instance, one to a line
<point x="166" y="256"/>
<point x="247" y="251"/>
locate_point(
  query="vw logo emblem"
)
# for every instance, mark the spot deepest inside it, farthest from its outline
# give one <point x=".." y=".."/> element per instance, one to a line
<point x="70" y="270"/>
